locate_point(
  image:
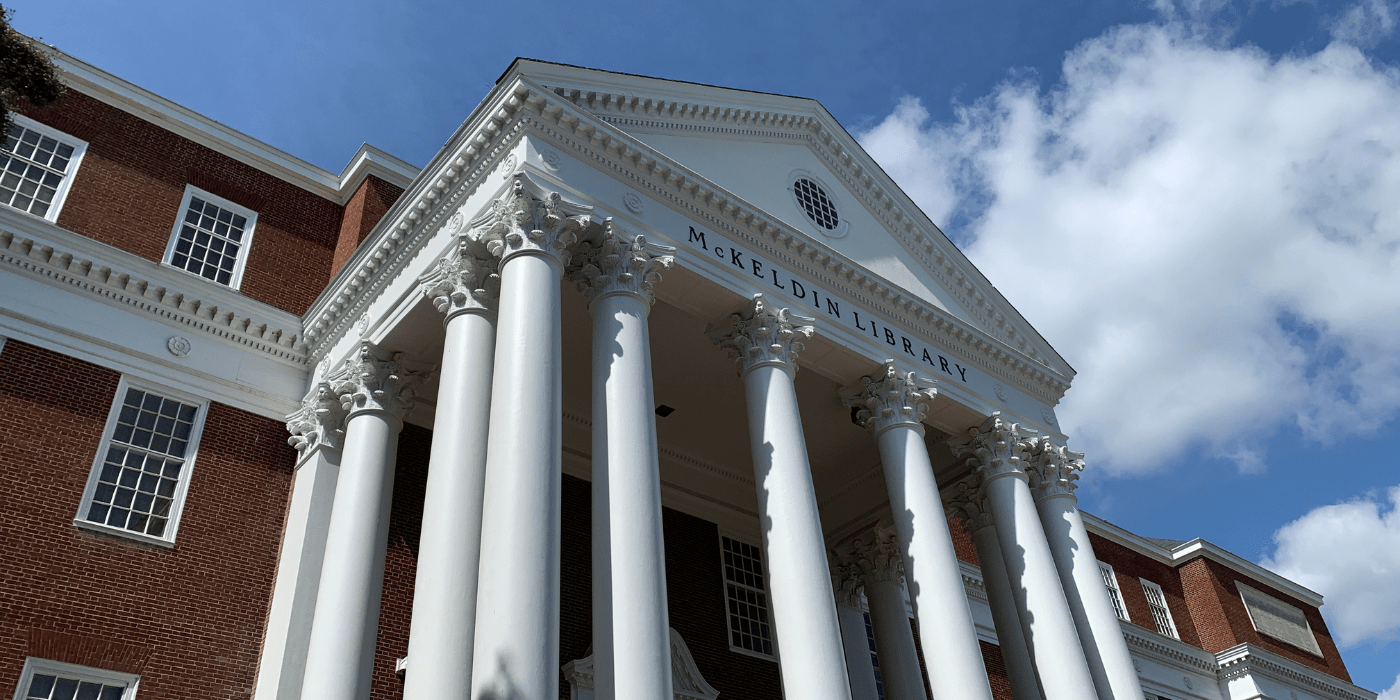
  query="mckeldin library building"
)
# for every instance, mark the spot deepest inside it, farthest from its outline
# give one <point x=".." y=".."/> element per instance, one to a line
<point x="639" y="390"/>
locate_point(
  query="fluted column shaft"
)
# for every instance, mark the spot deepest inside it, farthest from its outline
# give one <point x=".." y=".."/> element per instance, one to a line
<point x="1053" y="473"/>
<point x="977" y="520"/>
<point x="516" y="651"/>
<point x="892" y="404"/>
<point x="765" y="342"/>
<point x="449" y="551"/>
<point x="340" y="654"/>
<point x="1046" y="621"/>
<point x="882" y="572"/>
<point x="631" y="635"/>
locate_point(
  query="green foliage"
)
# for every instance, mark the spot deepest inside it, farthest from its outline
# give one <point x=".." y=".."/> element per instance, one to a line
<point x="25" y="72"/>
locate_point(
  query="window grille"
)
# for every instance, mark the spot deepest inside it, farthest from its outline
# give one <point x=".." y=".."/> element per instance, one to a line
<point x="1111" y="582"/>
<point x="747" y="597"/>
<point x="1161" y="614"/>
<point x="816" y="203"/>
<point x="140" y="478"/>
<point x="52" y="680"/>
<point x="874" y="659"/>
<point x="211" y="238"/>
<point x="36" y="167"/>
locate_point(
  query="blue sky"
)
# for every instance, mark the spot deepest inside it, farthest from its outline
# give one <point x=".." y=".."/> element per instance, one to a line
<point x="1193" y="201"/>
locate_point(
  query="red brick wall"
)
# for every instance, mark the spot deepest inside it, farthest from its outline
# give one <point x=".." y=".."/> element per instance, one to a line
<point x="191" y="618"/>
<point x="1128" y="567"/>
<point x="962" y="542"/>
<point x="365" y="208"/>
<point x="128" y="189"/>
<point x="401" y="561"/>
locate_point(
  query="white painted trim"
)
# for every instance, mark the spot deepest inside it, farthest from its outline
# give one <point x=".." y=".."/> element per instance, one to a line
<point x="1148" y="588"/>
<point x="1115" y="592"/>
<point x="177" y="504"/>
<point x="245" y="245"/>
<point x="33" y="665"/>
<point x="74" y="161"/>
<point x="767" y="597"/>
<point x="105" y="87"/>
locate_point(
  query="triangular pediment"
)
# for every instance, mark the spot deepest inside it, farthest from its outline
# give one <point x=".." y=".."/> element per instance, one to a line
<point x="757" y="146"/>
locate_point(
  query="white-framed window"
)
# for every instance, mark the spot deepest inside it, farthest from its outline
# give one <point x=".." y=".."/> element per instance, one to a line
<point x="1111" y="583"/>
<point x="211" y="237"/>
<point x="142" y="471"/>
<point x="1157" y="603"/>
<point x="874" y="658"/>
<point x="746" y="597"/>
<point x="37" y="167"/>
<point x="42" y="679"/>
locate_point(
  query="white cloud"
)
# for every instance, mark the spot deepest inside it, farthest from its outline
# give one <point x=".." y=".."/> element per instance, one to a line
<point x="1210" y="236"/>
<point x="1393" y="693"/>
<point x="1365" y="23"/>
<point x="1349" y="552"/>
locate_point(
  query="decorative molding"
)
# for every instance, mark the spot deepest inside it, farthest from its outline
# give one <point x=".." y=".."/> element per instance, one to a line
<point x="890" y="397"/>
<point x="370" y="383"/>
<point x="531" y="221"/>
<point x="320" y="422"/>
<point x="618" y="263"/>
<point x="1053" y="469"/>
<point x="91" y="274"/>
<point x="876" y="556"/>
<point x="1247" y="659"/>
<point x="966" y="500"/>
<point x="845" y="580"/>
<point x="463" y="280"/>
<point x="763" y="335"/>
<point x="178" y="346"/>
<point x="686" y="681"/>
<point x="973" y="584"/>
<point x="520" y="106"/>
<point x="997" y="448"/>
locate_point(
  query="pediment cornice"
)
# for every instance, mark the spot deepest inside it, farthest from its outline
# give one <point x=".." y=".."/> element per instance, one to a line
<point x="521" y="106"/>
<point x="879" y="195"/>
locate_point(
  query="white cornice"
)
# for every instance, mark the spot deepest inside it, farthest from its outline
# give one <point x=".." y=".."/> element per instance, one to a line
<point x="192" y="125"/>
<point x="35" y="247"/>
<point x="1248" y="659"/>
<point x="1184" y="552"/>
<point x="515" y="108"/>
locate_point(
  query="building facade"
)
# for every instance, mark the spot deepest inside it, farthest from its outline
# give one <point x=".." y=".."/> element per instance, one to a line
<point x="640" y="389"/>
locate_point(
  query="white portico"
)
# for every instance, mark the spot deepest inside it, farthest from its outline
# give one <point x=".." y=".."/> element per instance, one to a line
<point x="589" y="246"/>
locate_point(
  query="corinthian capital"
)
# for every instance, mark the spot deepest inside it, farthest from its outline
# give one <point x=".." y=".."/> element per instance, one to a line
<point x="845" y="580"/>
<point x="1053" y="469"/>
<point x="890" y="397"/>
<point x="966" y="500"/>
<point x="877" y="556"/>
<point x="997" y="448"/>
<point x="528" y="220"/>
<point x="320" y="422"/>
<point x="463" y="280"/>
<point x="618" y="263"/>
<point x="368" y="382"/>
<point x="764" y="335"/>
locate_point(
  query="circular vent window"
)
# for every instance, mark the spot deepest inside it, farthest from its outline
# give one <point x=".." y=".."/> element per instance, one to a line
<point x="816" y="203"/>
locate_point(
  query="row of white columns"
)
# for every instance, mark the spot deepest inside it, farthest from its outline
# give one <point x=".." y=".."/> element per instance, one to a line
<point x="494" y="484"/>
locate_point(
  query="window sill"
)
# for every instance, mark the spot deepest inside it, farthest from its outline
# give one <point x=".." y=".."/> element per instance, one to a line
<point x="754" y="654"/>
<point x="126" y="534"/>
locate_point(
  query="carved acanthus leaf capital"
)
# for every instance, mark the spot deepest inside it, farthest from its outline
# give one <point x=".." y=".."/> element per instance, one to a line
<point x="845" y="580"/>
<point x="369" y="382"/>
<point x="997" y="448"/>
<point x="1053" y="469"/>
<point x="463" y="280"/>
<point x="877" y="556"/>
<point x="619" y="263"/>
<point x="891" y="397"/>
<point x="320" y="422"/>
<point x="966" y="500"/>
<point x="763" y="335"/>
<point x="529" y="220"/>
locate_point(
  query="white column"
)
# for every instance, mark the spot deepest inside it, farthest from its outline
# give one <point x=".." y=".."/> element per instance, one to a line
<point x="631" y="633"/>
<point x="340" y="656"/>
<point x="765" y="341"/>
<point x="882" y="572"/>
<point x="892" y="405"/>
<point x="996" y="452"/>
<point x="317" y="431"/>
<point x="462" y="286"/>
<point x="861" y="672"/>
<point x="516" y="652"/>
<point x="967" y="501"/>
<point x="1053" y="473"/>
